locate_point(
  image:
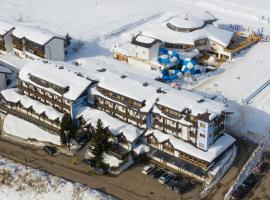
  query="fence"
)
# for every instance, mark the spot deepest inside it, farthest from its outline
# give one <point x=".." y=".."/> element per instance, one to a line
<point x="222" y="171"/>
<point x="255" y="93"/>
<point x="246" y="170"/>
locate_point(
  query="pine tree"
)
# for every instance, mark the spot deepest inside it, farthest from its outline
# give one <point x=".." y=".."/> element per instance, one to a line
<point x="63" y="138"/>
<point x="100" y="139"/>
<point x="68" y="39"/>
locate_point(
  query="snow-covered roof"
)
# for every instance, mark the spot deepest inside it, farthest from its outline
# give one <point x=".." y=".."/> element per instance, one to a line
<point x="205" y="16"/>
<point x="213" y="152"/>
<point x="126" y="49"/>
<point x="34" y="34"/>
<point x="187" y="22"/>
<point x="130" y="88"/>
<point x="56" y="74"/>
<point x="164" y="33"/>
<point x="12" y="95"/>
<point x="5" y="70"/>
<point x="181" y="99"/>
<point x="13" y="62"/>
<point x="144" y="41"/>
<point x="142" y="148"/>
<point x="5" y="27"/>
<point x="116" y="126"/>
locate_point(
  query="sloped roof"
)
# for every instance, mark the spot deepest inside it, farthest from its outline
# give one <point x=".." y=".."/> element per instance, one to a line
<point x="5" y="27"/>
<point x="34" y="34"/>
<point x="56" y="74"/>
<point x="213" y="152"/>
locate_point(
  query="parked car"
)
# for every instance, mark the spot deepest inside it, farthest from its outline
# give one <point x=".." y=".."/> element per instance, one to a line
<point x="147" y="169"/>
<point x="171" y="183"/>
<point x="99" y="170"/>
<point x="89" y="162"/>
<point x="239" y="193"/>
<point x="182" y="185"/>
<point x="158" y="173"/>
<point x="151" y="173"/>
<point x="250" y="181"/>
<point x="166" y="177"/>
<point x="50" y="150"/>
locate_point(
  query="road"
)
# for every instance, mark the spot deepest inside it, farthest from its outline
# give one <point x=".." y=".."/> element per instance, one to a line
<point x="131" y="184"/>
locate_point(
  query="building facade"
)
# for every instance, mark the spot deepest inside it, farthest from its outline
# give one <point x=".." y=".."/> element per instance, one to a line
<point x="121" y="107"/>
<point x="45" y="91"/>
<point x="197" y="130"/>
<point x="6" y="38"/>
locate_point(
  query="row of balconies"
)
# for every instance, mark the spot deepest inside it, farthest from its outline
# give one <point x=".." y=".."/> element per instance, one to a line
<point x="177" y="153"/>
<point x="45" y="99"/>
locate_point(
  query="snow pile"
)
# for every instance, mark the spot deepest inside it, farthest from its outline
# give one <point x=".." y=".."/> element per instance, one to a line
<point x="26" y="130"/>
<point x="17" y="183"/>
<point x="111" y="160"/>
<point x="142" y="148"/>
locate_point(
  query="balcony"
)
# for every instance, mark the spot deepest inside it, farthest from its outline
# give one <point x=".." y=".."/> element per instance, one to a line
<point x="17" y="44"/>
<point x="166" y="126"/>
<point x="115" y="111"/>
<point x="37" y="52"/>
<point x="45" y="98"/>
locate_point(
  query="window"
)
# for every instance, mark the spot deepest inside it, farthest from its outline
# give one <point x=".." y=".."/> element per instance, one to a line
<point x="202" y="125"/>
<point x="201" y="145"/>
<point x="202" y="135"/>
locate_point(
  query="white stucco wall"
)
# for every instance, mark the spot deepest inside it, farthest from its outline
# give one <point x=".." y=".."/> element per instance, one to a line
<point x="8" y="42"/>
<point x="55" y="50"/>
<point x="147" y="53"/>
<point x="207" y="131"/>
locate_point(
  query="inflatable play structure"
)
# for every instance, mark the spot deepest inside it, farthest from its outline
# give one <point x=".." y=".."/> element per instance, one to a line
<point x="168" y="58"/>
<point x="169" y="75"/>
<point x="190" y="66"/>
<point x="171" y="59"/>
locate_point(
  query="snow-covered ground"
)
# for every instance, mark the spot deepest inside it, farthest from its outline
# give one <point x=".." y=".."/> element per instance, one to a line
<point x="17" y="183"/>
<point x="26" y="130"/>
<point x="100" y="24"/>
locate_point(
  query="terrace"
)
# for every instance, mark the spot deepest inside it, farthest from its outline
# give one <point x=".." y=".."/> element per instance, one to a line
<point x="240" y="42"/>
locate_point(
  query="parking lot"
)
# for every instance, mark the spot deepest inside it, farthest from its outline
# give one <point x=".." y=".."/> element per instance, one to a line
<point x="172" y="182"/>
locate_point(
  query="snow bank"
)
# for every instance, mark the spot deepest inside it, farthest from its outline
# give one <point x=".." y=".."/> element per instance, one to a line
<point x="111" y="160"/>
<point x="17" y="183"/>
<point x="23" y="129"/>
